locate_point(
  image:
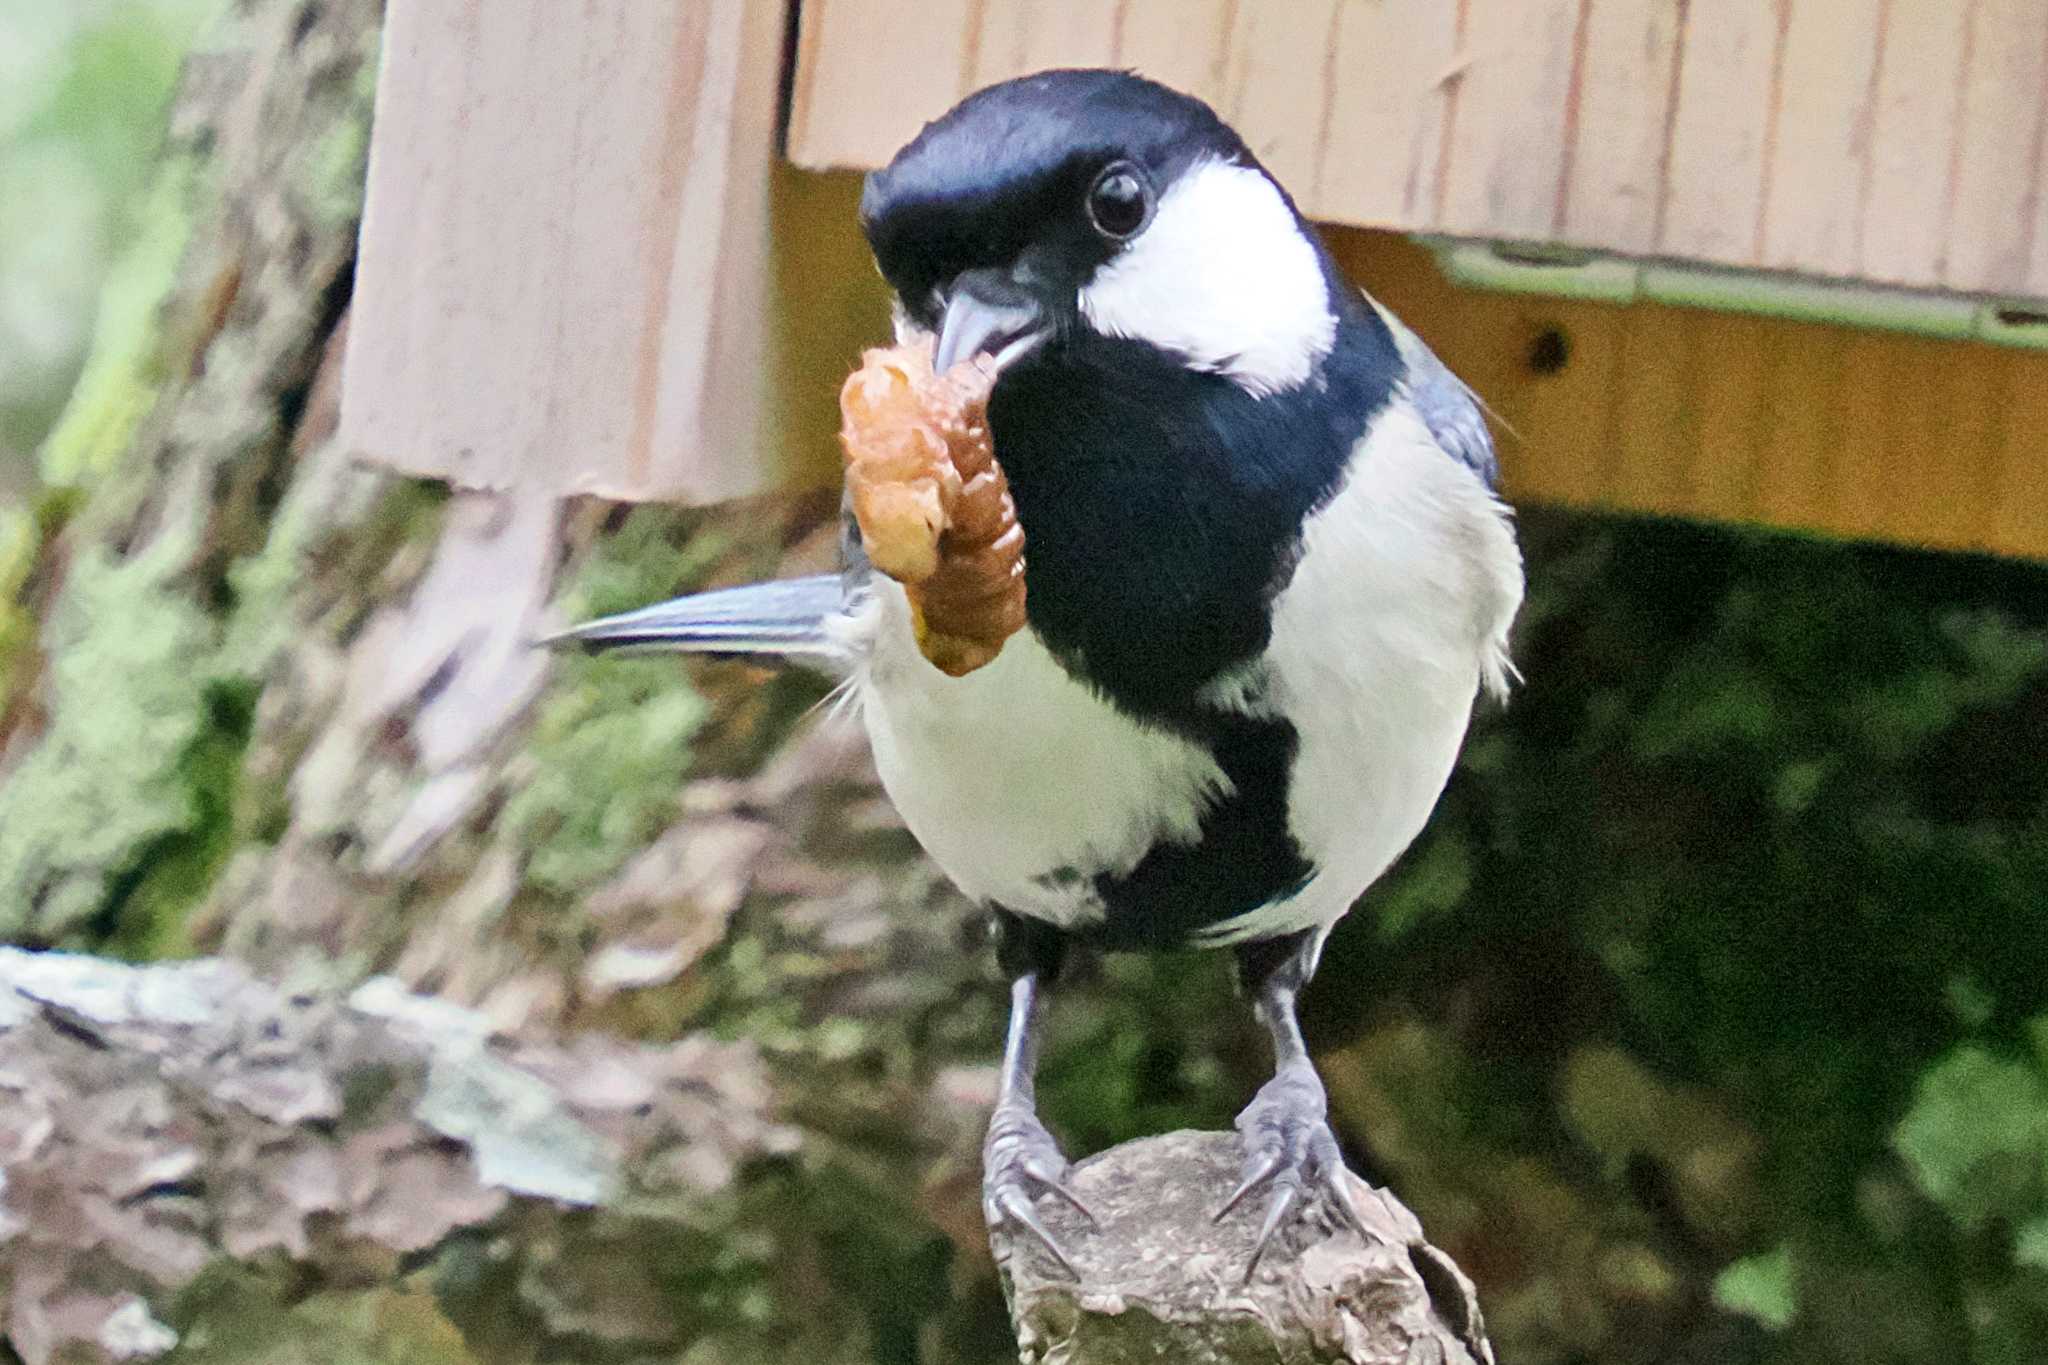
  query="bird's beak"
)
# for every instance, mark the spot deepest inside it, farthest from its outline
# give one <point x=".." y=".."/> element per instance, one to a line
<point x="987" y="313"/>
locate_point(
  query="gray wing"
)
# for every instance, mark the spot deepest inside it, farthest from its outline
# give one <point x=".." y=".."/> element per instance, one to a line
<point x="1447" y="404"/>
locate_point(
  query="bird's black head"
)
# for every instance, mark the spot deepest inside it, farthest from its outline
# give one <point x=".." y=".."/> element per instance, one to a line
<point x="1098" y="200"/>
<point x="1182" y="373"/>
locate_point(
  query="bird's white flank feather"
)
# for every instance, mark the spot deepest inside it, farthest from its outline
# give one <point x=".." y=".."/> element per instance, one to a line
<point x="1021" y="783"/>
<point x="1396" y="615"/>
<point x="1224" y="276"/>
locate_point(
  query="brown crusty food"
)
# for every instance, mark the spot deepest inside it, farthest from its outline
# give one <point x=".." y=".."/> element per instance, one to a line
<point x="934" y="509"/>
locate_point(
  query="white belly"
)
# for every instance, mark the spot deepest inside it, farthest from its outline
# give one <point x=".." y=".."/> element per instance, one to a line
<point x="1016" y="776"/>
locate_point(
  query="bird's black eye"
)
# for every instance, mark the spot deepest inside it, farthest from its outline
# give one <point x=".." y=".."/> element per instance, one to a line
<point x="1119" y="201"/>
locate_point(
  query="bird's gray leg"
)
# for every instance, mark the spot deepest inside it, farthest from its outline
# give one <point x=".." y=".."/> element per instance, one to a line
<point x="1288" y="1144"/>
<point x="1019" y="1159"/>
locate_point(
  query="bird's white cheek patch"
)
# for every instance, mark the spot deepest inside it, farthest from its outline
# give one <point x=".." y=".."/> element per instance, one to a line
<point x="1225" y="277"/>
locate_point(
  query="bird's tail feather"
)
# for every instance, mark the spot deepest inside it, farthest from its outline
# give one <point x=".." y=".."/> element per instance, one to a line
<point x="792" y="618"/>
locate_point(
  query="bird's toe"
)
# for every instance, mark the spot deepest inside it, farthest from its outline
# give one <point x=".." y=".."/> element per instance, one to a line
<point x="1020" y="1162"/>
<point x="1290" y="1152"/>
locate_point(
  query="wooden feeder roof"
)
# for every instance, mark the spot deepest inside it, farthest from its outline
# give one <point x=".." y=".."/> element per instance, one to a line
<point x="586" y="266"/>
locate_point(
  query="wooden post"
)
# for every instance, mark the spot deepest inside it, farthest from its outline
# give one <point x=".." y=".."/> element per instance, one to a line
<point x="564" y="284"/>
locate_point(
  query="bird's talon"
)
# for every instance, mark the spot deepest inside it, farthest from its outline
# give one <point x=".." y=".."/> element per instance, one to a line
<point x="1055" y="1182"/>
<point x="1020" y="1159"/>
<point x="1336" y="1182"/>
<point x="1283" y="1200"/>
<point x="1016" y="1208"/>
<point x="1268" y="1166"/>
<point x="1289" y="1147"/>
<point x="1338" y="1190"/>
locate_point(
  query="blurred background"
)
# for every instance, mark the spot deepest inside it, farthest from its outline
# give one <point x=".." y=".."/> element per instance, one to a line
<point x="1708" y="1022"/>
<point x="83" y="89"/>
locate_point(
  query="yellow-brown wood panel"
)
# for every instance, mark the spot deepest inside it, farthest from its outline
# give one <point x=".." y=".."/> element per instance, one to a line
<point x="1683" y="412"/>
<point x="1801" y="434"/>
<point x="1728" y="375"/>
<point x="2019" y="523"/>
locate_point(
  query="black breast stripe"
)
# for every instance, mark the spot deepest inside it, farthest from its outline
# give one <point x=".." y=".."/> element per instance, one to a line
<point x="1245" y="857"/>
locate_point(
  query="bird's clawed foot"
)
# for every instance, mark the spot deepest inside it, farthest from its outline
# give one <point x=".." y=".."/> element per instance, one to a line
<point x="1020" y="1161"/>
<point x="1288" y="1150"/>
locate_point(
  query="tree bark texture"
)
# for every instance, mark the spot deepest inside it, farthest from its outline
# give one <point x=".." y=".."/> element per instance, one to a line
<point x="269" y="1168"/>
<point x="193" y="1160"/>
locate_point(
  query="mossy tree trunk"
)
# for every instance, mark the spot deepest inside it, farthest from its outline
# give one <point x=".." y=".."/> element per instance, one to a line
<point x="263" y="701"/>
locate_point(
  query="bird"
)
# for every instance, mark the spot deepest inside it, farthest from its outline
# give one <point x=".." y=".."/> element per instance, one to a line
<point x="1269" y="578"/>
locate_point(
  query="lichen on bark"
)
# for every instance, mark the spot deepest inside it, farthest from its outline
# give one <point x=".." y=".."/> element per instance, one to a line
<point x="121" y="727"/>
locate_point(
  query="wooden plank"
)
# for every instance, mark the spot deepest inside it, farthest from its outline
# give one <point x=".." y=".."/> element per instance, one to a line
<point x="1016" y="37"/>
<point x="1182" y="43"/>
<point x="1945" y="414"/>
<point x="1714" y="187"/>
<point x="1999" y="161"/>
<point x="1279" y="81"/>
<point x="1902" y="224"/>
<point x="1723" y="479"/>
<point x="2036" y="284"/>
<point x="1900" y="140"/>
<point x="1861" y="501"/>
<point x="1504" y="171"/>
<point x="1820" y="155"/>
<point x="1564" y="418"/>
<point x="1382" y="157"/>
<point x="1657" y="419"/>
<point x="1796" y="475"/>
<point x="852" y="106"/>
<point x="1688" y="413"/>
<point x="1615" y="170"/>
<point x="563" y="278"/>
<point x="2019" y="524"/>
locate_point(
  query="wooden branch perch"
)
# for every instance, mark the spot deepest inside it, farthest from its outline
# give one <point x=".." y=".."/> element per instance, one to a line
<point x="1159" y="1280"/>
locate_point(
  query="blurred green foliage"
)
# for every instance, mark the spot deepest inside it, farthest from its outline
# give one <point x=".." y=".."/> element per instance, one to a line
<point x="1733" y="932"/>
<point x="83" y="85"/>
